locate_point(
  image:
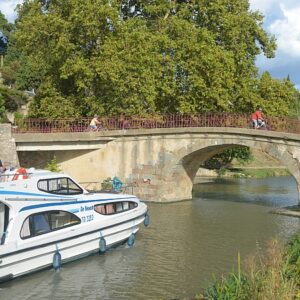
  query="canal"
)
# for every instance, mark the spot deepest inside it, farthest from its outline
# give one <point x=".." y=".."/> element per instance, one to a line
<point x="186" y="244"/>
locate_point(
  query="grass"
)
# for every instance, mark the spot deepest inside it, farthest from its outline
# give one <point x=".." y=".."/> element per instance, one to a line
<point x="256" y="173"/>
<point x="273" y="275"/>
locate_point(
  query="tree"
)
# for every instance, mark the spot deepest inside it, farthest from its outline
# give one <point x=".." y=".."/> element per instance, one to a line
<point x="10" y="99"/>
<point x="224" y="159"/>
<point x="239" y="31"/>
<point x="278" y="97"/>
<point x="5" y="31"/>
<point x="5" y="26"/>
<point x="111" y="57"/>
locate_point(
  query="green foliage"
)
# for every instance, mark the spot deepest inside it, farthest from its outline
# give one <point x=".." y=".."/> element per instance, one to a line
<point x="274" y="275"/>
<point x="291" y="265"/>
<point x="2" y="107"/>
<point x="106" y="185"/>
<point x="5" y="26"/>
<point x="258" y="173"/>
<point x="11" y="65"/>
<point x="221" y="171"/>
<point x="9" y="73"/>
<point x="294" y="109"/>
<point x="49" y="102"/>
<point x="277" y="97"/>
<point x="18" y="116"/>
<point x="222" y="160"/>
<point x="53" y="165"/>
<point x="233" y="287"/>
<point x="139" y="57"/>
<point x="13" y="99"/>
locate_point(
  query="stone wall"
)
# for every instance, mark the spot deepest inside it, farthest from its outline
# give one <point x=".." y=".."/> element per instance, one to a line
<point x="8" y="153"/>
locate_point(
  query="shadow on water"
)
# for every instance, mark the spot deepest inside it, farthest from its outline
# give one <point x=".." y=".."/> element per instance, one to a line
<point x="272" y="192"/>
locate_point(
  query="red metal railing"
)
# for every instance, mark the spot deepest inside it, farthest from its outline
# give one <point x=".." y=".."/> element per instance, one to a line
<point x="281" y="124"/>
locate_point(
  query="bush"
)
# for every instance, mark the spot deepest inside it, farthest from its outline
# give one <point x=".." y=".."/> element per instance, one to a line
<point x="53" y="166"/>
<point x="291" y="266"/>
<point x="106" y="185"/>
<point x="274" y="275"/>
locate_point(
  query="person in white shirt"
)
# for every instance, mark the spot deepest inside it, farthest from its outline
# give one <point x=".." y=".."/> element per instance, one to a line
<point x="94" y="123"/>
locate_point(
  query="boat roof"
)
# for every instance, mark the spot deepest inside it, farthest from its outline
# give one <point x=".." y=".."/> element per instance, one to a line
<point x="22" y="192"/>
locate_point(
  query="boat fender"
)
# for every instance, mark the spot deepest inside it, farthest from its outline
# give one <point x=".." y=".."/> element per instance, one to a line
<point x="146" y="220"/>
<point x="102" y="245"/>
<point x="56" y="260"/>
<point x="131" y="239"/>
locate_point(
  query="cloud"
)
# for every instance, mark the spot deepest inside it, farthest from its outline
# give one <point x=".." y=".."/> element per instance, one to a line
<point x="281" y="20"/>
<point x="287" y="31"/>
<point x="7" y="7"/>
<point x="263" y="6"/>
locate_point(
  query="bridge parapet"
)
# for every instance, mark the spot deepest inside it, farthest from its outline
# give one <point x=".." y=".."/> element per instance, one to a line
<point x="279" y="124"/>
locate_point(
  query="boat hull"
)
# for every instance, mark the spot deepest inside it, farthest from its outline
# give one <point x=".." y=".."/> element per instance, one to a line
<point x="34" y="258"/>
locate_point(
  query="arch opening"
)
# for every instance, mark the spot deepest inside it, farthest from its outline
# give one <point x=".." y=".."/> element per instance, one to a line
<point x="191" y="162"/>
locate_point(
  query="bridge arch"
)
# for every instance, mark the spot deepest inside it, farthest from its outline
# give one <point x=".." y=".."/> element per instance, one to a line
<point x="179" y="165"/>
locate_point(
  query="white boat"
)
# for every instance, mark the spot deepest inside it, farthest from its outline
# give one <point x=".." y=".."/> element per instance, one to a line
<point x="47" y="219"/>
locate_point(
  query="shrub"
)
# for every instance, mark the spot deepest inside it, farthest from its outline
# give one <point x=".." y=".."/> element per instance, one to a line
<point x="53" y="165"/>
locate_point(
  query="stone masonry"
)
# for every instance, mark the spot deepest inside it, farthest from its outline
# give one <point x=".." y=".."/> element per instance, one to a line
<point x="160" y="163"/>
<point x="8" y="153"/>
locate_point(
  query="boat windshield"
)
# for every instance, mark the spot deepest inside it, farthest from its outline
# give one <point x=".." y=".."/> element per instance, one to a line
<point x="60" y="186"/>
<point x="4" y="214"/>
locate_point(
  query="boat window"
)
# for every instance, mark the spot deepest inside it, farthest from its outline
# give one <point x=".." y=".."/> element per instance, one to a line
<point x="119" y="207"/>
<point x="40" y="223"/>
<point x="48" y="221"/>
<point x="25" y="231"/>
<point x="114" y="207"/>
<point x="60" y="186"/>
<point x="110" y="208"/>
<point x="60" y="219"/>
<point x="125" y="205"/>
<point x="4" y="215"/>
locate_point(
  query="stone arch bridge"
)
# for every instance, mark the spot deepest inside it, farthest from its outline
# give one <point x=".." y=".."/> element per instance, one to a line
<point x="168" y="157"/>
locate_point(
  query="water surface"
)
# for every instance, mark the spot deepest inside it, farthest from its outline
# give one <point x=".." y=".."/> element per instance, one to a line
<point x="185" y="244"/>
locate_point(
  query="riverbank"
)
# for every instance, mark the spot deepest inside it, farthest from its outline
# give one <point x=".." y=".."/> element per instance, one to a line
<point x="252" y="172"/>
<point x="272" y="275"/>
<point x="255" y="172"/>
<point x="291" y="211"/>
<point x="261" y="165"/>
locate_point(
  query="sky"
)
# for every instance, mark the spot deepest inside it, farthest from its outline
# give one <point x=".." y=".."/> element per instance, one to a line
<point x="282" y="19"/>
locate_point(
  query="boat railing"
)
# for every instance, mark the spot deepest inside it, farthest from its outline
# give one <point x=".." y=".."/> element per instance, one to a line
<point x="91" y="186"/>
<point x="41" y="199"/>
<point x="13" y="175"/>
<point x="129" y="188"/>
<point x="97" y="186"/>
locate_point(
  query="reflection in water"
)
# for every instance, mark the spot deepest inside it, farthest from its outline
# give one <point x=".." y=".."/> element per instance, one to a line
<point x="280" y="191"/>
<point x="177" y="254"/>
